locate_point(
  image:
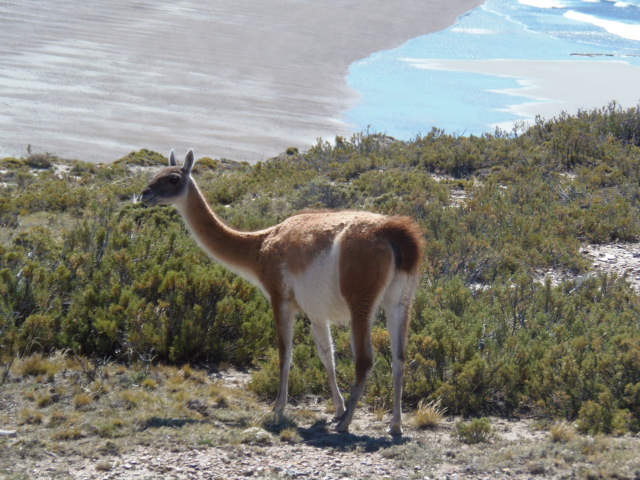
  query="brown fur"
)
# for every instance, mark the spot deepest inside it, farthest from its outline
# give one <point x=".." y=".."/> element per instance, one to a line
<point x="407" y="241"/>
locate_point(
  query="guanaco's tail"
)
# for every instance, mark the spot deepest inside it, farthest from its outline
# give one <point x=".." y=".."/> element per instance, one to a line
<point x="407" y="242"/>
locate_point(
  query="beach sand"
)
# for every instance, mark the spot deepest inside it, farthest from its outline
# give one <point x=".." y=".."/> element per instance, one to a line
<point x="243" y="80"/>
<point x="555" y="86"/>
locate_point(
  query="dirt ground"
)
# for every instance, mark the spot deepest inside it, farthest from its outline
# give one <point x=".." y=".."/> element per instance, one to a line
<point x="623" y="259"/>
<point x="84" y="421"/>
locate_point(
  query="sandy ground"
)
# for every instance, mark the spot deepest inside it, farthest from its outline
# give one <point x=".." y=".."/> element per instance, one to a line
<point x="243" y="79"/>
<point x="209" y="441"/>
<point x="555" y="86"/>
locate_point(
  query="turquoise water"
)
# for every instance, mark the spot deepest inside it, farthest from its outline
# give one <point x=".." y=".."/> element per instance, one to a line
<point x="403" y="100"/>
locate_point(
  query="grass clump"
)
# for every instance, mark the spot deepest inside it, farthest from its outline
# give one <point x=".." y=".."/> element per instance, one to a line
<point x="149" y="384"/>
<point x="428" y="415"/>
<point x="45" y="399"/>
<point x="478" y="430"/>
<point x="129" y="399"/>
<point x="562" y="432"/>
<point x="276" y="423"/>
<point x="220" y="400"/>
<point x="39" y="366"/>
<point x="31" y="417"/>
<point x="111" y="428"/>
<point x="290" y="435"/>
<point x="82" y="400"/>
<point x="57" y="418"/>
<point x="69" y="433"/>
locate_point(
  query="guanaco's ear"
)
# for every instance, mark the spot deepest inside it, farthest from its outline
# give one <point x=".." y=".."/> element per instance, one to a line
<point x="172" y="159"/>
<point x="188" y="161"/>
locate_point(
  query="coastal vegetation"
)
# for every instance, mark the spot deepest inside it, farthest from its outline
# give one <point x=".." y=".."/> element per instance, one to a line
<point x="509" y="315"/>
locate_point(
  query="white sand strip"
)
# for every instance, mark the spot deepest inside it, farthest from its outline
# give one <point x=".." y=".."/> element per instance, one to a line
<point x="554" y="86"/>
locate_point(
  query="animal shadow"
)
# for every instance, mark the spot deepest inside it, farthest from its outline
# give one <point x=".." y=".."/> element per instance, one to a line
<point x="321" y="435"/>
<point x="158" y="422"/>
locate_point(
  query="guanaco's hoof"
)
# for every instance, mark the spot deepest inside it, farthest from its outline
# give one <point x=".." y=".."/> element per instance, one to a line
<point x="341" y="428"/>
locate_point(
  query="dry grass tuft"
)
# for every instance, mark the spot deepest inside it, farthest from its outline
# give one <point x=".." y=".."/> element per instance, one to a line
<point x="111" y="428"/>
<point x="220" y="400"/>
<point x="380" y="413"/>
<point x="39" y="366"/>
<point x="56" y="419"/>
<point x="562" y="432"/>
<point x="379" y="409"/>
<point x="45" y="399"/>
<point x="290" y="435"/>
<point x="275" y="423"/>
<point x="306" y="415"/>
<point x="591" y="446"/>
<point x="30" y="395"/>
<point x="149" y="384"/>
<point x="175" y="383"/>
<point x="31" y="417"/>
<point x="428" y="415"/>
<point x="186" y="371"/>
<point x="70" y="433"/>
<point x="189" y="373"/>
<point x="130" y="398"/>
<point x="329" y="408"/>
<point x="82" y="400"/>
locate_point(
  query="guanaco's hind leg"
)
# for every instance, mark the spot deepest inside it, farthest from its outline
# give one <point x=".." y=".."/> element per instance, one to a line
<point x="397" y="307"/>
<point x="363" y="353"/>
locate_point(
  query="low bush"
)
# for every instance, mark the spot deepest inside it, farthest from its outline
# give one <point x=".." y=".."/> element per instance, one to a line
<point x="477" y="430"/>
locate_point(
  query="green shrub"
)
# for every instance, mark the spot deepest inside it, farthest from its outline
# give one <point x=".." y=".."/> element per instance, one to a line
<point x="478" y="430"/>
<point x="264" y="383"/>
<point x="603" y="416"/>
<point x="40" y="161"/>
<point x="143" y="158"/>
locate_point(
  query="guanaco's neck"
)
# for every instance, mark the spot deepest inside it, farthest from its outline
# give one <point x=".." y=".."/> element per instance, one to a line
<point x="234" y="249"/>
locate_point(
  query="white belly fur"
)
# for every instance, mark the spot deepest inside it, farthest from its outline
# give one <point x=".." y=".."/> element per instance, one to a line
<point x="317" y="289"/>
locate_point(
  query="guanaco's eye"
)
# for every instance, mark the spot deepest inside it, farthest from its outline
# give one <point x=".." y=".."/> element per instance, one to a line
<point x="174" y="179"/>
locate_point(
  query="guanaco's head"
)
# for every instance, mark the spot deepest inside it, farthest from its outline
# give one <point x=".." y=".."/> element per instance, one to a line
<point x="170" y="184"/>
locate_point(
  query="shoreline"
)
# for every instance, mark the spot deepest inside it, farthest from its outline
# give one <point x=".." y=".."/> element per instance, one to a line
<point x="242" y="80"/>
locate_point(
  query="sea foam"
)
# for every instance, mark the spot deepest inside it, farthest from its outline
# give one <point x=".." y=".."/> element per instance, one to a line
<point x="624" y="30"/>
<point x="443" y="79"/>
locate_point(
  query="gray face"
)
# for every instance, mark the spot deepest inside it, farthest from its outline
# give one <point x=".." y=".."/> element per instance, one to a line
<point x="170" y="183"/>
<point x="166" y="187"/>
